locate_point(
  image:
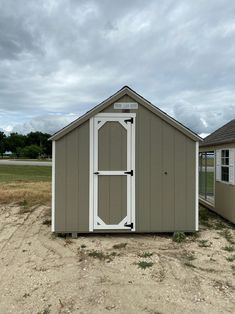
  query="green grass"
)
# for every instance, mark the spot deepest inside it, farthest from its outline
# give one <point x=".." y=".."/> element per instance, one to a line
<point x="9" y="174"/>
<point x="204" y="243"/>
<point x="231" y="258"/>
<point x="229" y="248"/>
<point x="209" y="162"/>
<point x="227" y="235"/>
<point x="210" y="182"/>
<point x="102" y="256"/>
<point x="144" y="264"/>
<point x="179" y="237"/>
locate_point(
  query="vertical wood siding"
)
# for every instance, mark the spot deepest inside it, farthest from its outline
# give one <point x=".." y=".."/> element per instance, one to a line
<point x="165" y="177"/>
<point x="72" y="181"/>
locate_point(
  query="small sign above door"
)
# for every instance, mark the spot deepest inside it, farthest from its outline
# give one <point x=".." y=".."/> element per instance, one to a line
<point x="125" y="105"/>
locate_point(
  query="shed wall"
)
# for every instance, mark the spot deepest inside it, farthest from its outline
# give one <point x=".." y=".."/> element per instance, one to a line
<point x="165" y="177"/>
<point x="224" y="192"/>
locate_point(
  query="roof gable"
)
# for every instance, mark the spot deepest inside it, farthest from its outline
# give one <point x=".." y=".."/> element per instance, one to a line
<point x="225" y="134"/>
<point x="139" y="99"/>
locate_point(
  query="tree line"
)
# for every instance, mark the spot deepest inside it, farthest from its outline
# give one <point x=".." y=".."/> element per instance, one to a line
<point x="32" y="145"/>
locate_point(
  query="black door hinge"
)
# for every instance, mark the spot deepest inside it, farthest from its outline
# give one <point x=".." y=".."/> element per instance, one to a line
<point x="129" y="225"/>
<point x="129" y="172"/>
<point x="131" y="120"/>
<point x="97" y="172"/>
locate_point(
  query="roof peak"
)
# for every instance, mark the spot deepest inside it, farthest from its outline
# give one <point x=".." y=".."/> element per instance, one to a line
<point x="138" y="98"/>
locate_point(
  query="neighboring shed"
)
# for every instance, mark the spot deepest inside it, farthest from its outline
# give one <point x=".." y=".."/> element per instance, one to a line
<point x="125" y="166"/>
<point x="217" y="171"/>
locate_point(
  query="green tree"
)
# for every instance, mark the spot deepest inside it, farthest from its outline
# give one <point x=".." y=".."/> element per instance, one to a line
<point x="14" y="142"/>
<point x="40" y="139"/>
<point x="2" y="143"/>
<point x="31" y="151"/>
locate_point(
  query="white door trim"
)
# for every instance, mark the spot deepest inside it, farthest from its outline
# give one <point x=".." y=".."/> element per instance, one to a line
<point x="53" y="188"/>
<point x="95" y="223"/>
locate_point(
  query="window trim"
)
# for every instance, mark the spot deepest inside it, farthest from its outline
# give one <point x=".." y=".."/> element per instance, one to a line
<point x="224" y="165"/>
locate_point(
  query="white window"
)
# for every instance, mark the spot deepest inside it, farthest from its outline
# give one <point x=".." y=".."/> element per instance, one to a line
<point x="225" y="165"/>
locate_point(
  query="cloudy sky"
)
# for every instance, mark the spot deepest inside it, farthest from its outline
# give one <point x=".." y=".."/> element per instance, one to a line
<point x="58" y="58"/>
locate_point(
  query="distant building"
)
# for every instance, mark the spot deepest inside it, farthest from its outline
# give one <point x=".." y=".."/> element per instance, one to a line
<point x="7" y="153"/>
<point x="217" y="171"/>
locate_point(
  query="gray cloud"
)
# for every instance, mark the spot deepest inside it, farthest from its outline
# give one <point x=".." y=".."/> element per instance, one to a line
<point x="61" y="57"/>
<point x="48" y="123"/>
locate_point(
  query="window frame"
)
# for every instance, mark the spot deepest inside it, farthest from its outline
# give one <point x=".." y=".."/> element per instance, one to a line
<point x="225" y="163"/>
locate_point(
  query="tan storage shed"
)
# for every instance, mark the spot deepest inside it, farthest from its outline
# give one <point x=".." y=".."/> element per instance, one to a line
<point x="217" y="171"/>
<point x="125" y="166"/>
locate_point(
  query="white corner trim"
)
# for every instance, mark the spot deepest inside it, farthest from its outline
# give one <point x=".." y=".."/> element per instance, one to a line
<point x="53" y="188"/>
<point x="133" y="183"/>
<point x="196" y="188"/>
<point x="91" y="177"/>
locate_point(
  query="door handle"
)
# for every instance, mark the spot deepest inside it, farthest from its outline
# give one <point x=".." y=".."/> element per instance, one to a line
<point x="97" y="172"/>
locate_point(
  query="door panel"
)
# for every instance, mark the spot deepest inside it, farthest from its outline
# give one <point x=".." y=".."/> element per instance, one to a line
<point x="112" y="143"/>
<point x="112" y="199"/>
<point x="112" y="160"/>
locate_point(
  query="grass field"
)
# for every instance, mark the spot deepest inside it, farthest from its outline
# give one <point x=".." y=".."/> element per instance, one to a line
<point x="209" y="162"/>
<point x="25" y="185"/>
<point x="209" y="183"/>
<point x="24" y="174"/>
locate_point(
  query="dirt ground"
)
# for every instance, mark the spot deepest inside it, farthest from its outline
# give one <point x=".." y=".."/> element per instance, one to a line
<point x="41" y="273"/>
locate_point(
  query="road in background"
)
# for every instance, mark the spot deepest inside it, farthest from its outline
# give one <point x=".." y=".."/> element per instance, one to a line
<point x="10" y="162"/>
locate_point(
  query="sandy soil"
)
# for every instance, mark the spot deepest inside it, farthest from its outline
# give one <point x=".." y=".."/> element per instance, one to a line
<point x="41" y="273"/>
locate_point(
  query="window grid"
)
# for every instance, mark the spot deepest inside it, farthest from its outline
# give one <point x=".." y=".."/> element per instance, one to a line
<point x="225" y="165"/>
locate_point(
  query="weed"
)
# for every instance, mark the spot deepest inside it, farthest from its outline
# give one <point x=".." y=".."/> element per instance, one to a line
<point x="97" y="254"/>
<point x="46" y="310"/>
<point x="114" y="254"/>
<point x="145" y="254"/>
<point x="227" y="235"/>
<point x="119" y="246"/>
<point x="25" y="207"/>
<point x="179" y="237"/>
<point x="102" y="256"/>
<point x="204" y="243"/>
<point x="231" y="258"/>
<point x="24" y="203"/>
<point x="220" y="225"/>
<point x="205" y="217"/>
<point x="144" y="264"/>
<point x="83" y="246"/>
<point x="229" y="248"/>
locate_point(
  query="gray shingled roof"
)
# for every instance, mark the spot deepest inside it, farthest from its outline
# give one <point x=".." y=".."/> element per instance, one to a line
<point x="225" y="134"/>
